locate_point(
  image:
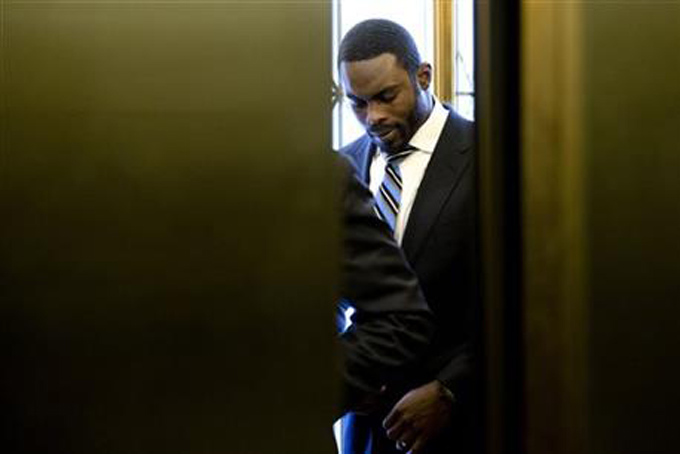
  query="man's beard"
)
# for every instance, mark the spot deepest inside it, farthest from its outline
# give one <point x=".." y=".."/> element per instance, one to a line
<point x="396" y="133"/>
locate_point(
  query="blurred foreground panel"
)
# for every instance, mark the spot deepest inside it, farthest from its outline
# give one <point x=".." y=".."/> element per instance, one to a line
<point x="168" y="240"/>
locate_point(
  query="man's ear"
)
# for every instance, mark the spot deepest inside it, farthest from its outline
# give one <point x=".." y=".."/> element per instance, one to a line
<point x="424" y="75"/>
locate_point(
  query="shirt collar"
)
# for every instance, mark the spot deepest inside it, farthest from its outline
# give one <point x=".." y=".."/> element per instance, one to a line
<point x="426" y="137"/>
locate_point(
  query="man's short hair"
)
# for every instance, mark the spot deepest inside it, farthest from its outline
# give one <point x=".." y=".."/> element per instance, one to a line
<point x="374" y="37"/>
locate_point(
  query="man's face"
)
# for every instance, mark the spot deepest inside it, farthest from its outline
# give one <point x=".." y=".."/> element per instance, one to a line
<point x="387" y="102"/>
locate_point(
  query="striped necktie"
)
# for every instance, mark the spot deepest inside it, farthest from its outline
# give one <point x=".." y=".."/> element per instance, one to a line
<point x="388" y="197"/>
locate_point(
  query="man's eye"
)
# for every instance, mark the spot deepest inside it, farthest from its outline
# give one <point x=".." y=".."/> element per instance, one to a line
<point x="356" y="104"/>
<point x="387" y="97"/>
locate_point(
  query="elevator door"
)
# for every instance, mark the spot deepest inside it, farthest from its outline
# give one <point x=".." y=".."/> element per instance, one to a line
<point x="167" y="243"/>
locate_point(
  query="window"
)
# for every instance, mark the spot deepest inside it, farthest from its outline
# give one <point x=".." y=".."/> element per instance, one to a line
<point x="463" y="58"/>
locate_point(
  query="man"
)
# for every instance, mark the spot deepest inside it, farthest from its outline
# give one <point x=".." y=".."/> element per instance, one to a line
<point x="392" y="324"/>
<point x="417" y="157"/>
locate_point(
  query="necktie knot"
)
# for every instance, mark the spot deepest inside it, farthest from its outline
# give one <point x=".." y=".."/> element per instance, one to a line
<point x="399" y="155"/>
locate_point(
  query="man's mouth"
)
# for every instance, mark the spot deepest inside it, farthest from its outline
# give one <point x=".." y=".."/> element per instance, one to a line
<point x="382" y="134"/>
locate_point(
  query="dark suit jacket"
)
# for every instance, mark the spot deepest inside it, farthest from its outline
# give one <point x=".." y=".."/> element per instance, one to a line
<point x="392" y="324"/>
<point x="440" y="244"/>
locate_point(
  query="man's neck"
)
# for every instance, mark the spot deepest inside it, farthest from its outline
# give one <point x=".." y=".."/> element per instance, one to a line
<point x="428" y="105"/>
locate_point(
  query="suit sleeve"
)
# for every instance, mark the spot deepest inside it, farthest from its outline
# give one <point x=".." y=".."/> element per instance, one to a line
<point x="456" y="374"/>
<point x="392" y="325"/>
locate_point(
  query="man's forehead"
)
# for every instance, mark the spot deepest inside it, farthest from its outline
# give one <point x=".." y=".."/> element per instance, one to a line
<point x="372" y="74"/>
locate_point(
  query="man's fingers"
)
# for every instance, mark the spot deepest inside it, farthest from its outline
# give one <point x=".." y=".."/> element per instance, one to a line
<point x="392" y="418"/>
<point x="417" y="446"/>
<point x="396" y="431"/>
<point x="407" y="439"/>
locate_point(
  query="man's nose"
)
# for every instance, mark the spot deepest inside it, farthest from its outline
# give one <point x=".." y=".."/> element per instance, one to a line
<point x="375" y="114"/>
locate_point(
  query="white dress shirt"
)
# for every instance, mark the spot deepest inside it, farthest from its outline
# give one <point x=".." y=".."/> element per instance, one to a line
<point x="413" y="166"/>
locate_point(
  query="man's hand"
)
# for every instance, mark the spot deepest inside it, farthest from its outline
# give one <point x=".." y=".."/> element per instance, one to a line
<point x="419" y="416"/>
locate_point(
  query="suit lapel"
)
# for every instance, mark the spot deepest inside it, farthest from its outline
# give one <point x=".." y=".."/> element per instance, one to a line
<point x="450" y="159"/>
<point x="366" y="151"/>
